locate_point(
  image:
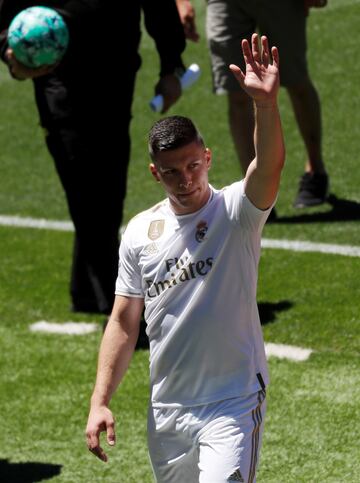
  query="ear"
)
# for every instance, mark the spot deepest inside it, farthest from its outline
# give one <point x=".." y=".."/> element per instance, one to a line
<point x="208" y="157"/>
<point x="154" y="172"/>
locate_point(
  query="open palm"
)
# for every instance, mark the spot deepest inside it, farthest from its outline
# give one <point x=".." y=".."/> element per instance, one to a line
<point x="261" y="78"/>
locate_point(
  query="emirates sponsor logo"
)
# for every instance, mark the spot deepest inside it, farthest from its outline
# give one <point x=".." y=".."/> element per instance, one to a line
<point x="179" y="271"/>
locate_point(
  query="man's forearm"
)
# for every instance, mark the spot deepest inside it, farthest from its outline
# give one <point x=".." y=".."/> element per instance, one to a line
<point x="115" y="354"/>
<point x="263" y="174"/>
<point x="268" y="138"/>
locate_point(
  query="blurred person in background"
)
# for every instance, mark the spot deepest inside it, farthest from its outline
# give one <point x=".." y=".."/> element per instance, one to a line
<point x="84" y="105"/>
<point x="284" y="23"/>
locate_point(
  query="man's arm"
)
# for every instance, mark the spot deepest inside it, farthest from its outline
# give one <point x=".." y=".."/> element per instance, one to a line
<point x="187" y="17"/>
<point x="116" y="350"/>
<point x="163" y="24"/>
<point x="261" y="83"/>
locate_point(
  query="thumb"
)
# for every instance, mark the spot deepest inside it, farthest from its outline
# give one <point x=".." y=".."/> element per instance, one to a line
<point x="238" y="73"/>
<point x="110" y="434"/>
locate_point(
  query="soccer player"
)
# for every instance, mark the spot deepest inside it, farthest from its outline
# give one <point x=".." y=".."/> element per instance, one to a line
<point x="192" y="260"/>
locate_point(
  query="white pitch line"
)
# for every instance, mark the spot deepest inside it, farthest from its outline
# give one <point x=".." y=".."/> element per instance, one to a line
<point x="67" y="328"/>
<point x="40" y="223"/>
<point x="291" y="352"/>
<point x="305" y="246"/>
<point x="292" y="245"/>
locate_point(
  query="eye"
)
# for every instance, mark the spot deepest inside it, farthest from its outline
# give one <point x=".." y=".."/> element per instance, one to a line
<point x="169" y="172"/>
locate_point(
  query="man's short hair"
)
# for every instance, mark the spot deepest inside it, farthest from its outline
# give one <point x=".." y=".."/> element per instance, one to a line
<point x="171" y="133"/>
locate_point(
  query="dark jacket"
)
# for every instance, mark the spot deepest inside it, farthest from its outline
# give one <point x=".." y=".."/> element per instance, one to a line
<point x="104" y="44"/>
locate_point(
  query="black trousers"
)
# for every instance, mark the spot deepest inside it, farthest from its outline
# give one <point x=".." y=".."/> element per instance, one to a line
<point x="88" y="138"/>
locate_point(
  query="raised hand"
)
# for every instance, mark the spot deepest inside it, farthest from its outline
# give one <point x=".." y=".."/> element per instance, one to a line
<point x="261" y="78"/>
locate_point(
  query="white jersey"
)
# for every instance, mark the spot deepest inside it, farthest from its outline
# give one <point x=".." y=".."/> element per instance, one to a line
<point x="197" y="274"/>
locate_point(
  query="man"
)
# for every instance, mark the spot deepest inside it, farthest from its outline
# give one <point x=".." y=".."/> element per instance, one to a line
<point x="84" y="105"/>
<point x="192" y="259"/>
<point x="284" y="23"/>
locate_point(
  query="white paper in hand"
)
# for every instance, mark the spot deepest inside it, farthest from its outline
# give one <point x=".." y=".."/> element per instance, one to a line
<point x="188" y="78"/>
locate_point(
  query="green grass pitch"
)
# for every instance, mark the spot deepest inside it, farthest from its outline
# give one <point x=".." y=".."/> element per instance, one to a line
<point x="312" y="300"/>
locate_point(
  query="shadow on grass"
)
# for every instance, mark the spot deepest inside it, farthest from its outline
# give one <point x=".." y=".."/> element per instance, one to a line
<point x="268" y="310"/>
<point x="341" y="210"/>
<point x="27" y="472"/>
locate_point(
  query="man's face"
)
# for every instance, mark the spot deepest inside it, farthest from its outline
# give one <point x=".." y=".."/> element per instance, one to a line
<point x="183" y="172"/>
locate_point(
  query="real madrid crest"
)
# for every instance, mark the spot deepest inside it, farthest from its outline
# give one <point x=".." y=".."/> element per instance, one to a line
<point x="201" y="229"/>
<point x="156" y="229"/>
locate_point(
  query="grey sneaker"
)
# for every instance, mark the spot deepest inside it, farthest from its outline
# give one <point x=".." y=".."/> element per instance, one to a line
<point x="313" y="190"/>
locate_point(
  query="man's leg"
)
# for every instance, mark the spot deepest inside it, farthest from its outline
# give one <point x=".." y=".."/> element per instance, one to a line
<point x="94" y="181"/>
<point x="227" y="23"/>
<point x="231" y="440"/>
<point x="173" y="454"/>
<point x="307" y="110"/>
<point x="91" y="155"/>
<point x="242" y="123"/>
<point x="285" y="23"/>
<point x="313" y="189"/>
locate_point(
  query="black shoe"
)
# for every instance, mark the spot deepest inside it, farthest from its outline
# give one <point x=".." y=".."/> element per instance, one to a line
<point x="313" y="190"/>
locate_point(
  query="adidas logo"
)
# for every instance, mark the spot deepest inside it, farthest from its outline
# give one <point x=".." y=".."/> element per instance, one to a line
<point x="236" y="476"/>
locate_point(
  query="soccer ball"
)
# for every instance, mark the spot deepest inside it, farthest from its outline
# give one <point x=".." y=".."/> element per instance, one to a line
<point x="38" y="36"/>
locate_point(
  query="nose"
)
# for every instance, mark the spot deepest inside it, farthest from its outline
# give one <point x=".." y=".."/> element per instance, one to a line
<point x="185" y="185"/>
<point x="185" y="182"/>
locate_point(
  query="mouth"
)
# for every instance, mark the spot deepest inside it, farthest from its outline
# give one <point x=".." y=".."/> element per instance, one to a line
<point x="188" y="193"/>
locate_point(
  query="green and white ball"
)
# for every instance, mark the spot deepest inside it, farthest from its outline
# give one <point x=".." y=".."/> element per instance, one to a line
<point x="38" y="36"/>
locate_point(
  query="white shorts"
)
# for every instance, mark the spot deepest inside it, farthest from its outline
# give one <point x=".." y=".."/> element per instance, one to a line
<point x="214" y="443"/>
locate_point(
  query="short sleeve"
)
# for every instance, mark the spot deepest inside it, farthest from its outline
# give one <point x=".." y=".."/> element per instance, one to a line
<point x="129" y="280"/>
<point x="241" y="210"/>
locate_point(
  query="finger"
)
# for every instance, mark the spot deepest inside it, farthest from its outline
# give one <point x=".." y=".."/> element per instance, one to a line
<point x="9" y="55"/>
<point x="99" y="453"/>
<point x="110" y="434"/>
<point x="275" y="56"/>
<point x="238" y="73"/>
<point x="255" y="48"/>
<point x="93" y="444"/>
<point x="92" y="440"/>
<point x="265" y="51"/>
<point x="246" y="52"/>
